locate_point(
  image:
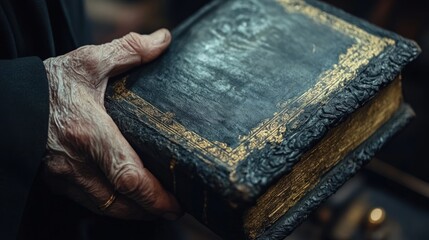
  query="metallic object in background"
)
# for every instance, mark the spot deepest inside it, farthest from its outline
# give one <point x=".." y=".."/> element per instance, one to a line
<point x="376" y="217"/>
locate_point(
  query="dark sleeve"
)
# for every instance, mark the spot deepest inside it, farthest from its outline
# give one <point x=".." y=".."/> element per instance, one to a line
<point x="24" y="114"/>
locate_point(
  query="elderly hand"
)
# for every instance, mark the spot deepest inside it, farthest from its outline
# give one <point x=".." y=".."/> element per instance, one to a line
<point x="88" y="159"/>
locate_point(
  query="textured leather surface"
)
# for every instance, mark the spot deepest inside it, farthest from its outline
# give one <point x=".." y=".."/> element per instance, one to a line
<point x="232" y="66"/>
<point x="229" y="71"/>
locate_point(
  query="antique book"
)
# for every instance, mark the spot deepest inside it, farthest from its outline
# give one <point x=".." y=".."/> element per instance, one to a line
<point x="261" y="109"/>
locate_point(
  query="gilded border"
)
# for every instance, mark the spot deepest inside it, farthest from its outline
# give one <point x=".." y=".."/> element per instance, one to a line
<point x="271" y="130"/>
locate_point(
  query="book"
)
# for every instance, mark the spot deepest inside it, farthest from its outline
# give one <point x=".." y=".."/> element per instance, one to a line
<point x="261" y="109"/>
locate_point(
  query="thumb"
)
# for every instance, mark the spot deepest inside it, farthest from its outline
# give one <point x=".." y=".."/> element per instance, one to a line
<point x="132" y="50"/>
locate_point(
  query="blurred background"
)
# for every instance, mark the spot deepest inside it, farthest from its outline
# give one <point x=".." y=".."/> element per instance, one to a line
<point x="388" y="200"/>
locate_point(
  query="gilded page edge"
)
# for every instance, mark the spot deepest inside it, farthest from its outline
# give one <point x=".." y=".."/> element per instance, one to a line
<point x="289" y="190"/>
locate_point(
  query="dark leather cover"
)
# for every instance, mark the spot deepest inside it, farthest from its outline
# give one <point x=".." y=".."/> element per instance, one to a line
<point x="245" y="89"/>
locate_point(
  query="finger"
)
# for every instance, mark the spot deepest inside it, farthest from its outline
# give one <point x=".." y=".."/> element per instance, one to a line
<point x="131" y="50"/>
<point x="125" y="171"/>
<point x="121" y="207"/>
<point x="91" y="189"/>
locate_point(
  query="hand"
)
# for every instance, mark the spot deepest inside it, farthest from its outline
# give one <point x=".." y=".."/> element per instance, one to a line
<point x="88" y="159"/>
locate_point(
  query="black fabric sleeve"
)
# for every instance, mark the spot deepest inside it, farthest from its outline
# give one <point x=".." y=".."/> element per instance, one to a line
<point x="24" y="114"/>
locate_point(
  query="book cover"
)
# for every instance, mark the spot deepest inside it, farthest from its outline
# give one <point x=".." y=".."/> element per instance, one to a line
<point x="260" y="109"/>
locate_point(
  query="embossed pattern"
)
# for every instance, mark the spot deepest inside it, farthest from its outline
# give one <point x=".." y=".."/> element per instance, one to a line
<point x="271" y="130"/>
<point x="337" y="177"/>
<point x="251" y="176"/>
<point x="240" y="173"/>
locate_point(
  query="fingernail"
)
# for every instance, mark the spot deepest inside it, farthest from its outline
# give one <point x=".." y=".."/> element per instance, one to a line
<point x="170" y="216"/>
<point x="158" y="37"/>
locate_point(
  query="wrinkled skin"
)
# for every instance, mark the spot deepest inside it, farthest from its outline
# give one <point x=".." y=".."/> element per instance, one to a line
<point x="87" y="157"/>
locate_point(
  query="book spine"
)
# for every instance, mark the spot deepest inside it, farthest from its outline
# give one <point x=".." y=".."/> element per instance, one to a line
<point x="183" y="181"/>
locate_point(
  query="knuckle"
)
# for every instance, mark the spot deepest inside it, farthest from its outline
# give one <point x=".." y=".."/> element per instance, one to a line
<point x="132" y="38"/>
<point x="135" y="43"/>
<point x="137" y="185"/>
<point x="57" y="166"/>
<point x="85" y="59"/>
<point x="128" y="180"/>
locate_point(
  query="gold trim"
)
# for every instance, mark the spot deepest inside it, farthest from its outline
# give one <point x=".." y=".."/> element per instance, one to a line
<point x="271" y="130"/>
<point x="280" y="197"/>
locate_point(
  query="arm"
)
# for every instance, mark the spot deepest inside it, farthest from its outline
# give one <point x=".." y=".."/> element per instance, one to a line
<point x="24" y="112"/>
<point x="86" y="156"/>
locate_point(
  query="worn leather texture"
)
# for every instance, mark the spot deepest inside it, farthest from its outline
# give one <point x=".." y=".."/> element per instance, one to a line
<point x="231" y="69"/>
<point x="337" y="176"/>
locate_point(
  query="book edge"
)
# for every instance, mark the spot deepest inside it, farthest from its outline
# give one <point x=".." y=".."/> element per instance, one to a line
<point x="278" y="199"/>
<point x="244" y="185"/>
<point x="279" y="160"/>
<point x="336" y="177"/>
